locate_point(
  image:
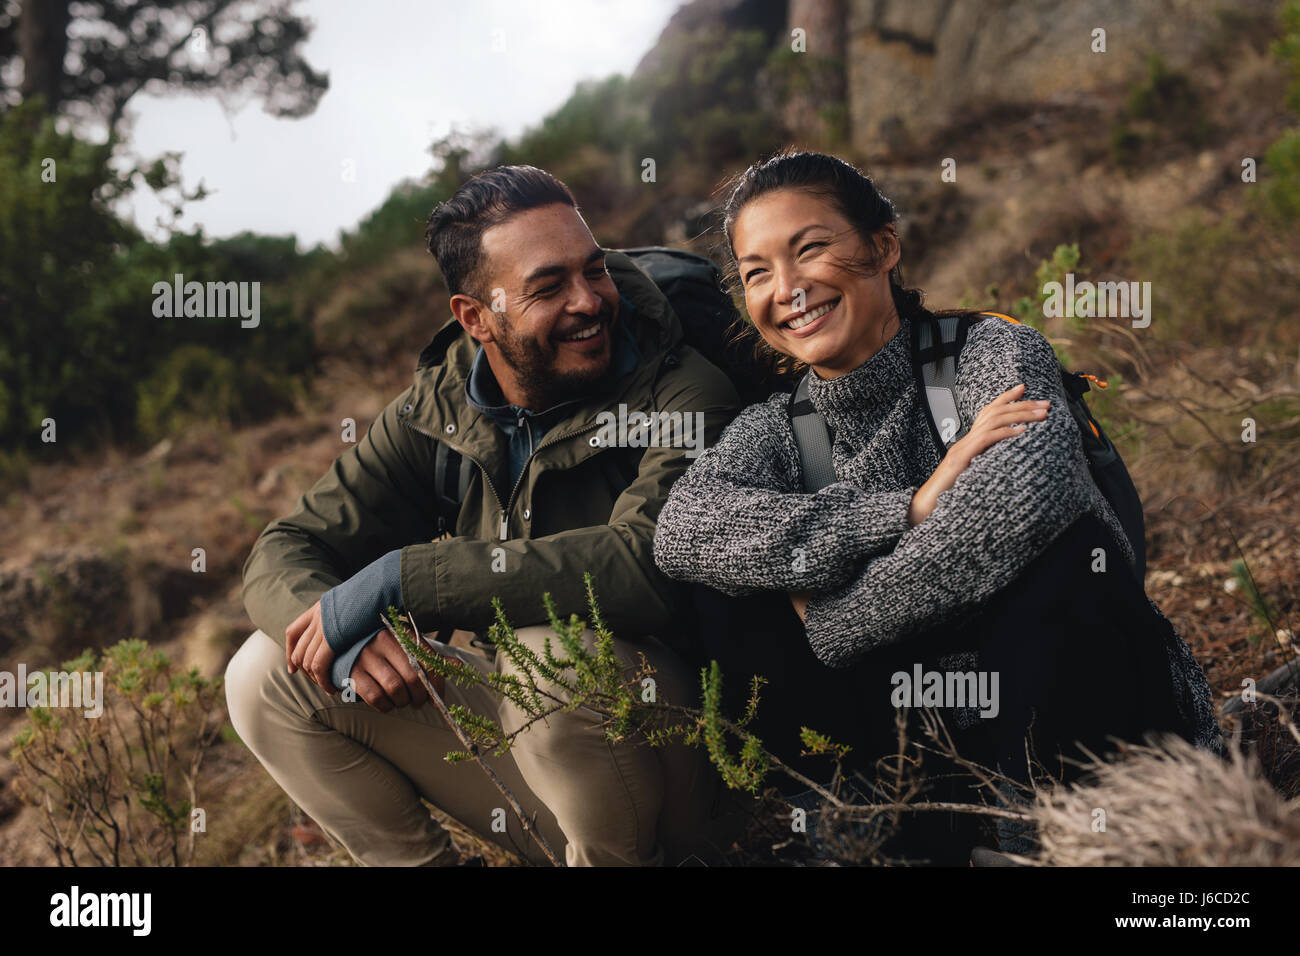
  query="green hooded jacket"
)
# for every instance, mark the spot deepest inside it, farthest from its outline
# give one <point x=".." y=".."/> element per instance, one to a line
<point x="572" y="510"/>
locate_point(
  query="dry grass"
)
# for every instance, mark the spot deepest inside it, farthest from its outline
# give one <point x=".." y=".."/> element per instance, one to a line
<point x="1170" y="805"/>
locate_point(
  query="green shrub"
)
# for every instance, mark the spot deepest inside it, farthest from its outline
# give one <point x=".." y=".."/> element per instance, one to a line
<point x="76" y="284"/>
<point x="1220" y="282"/>
<point x="1281" y="185"/>
<point x="1161" y="109"/>
<point x="121" y="787"/>
<point x="196" y="384"/>
<point x="1281" y="188"/>
<point x="701" y="102"/>
<point x="1287" y="49"/>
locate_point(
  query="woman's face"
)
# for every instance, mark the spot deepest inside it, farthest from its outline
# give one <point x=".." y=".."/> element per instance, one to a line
<point x="792" y="247"/>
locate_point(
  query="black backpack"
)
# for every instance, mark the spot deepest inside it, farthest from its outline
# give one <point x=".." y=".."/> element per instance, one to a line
<point x="694" y="286"/>
<point x="936" y="347"/>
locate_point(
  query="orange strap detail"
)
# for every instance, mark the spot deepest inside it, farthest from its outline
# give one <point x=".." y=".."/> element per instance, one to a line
<point x="1092" y="378"/>
<point x="1001" y="316"/>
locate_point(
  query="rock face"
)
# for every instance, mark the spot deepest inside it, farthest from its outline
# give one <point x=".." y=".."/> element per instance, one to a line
<point x="715" y="16"/>
<point x="915" y="65"/>
<point x="823" y="37"/>
<point x="908" y="68"/>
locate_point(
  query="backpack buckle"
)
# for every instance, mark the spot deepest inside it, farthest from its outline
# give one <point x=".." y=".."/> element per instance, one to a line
<point x="1076" y="384"/>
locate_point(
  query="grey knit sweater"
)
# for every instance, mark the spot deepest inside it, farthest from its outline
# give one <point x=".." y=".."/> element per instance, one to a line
<point x="739" y="521"/>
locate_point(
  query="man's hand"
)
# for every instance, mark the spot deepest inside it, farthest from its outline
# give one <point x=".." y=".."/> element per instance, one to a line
<point x="305" y="647"/>
<point x="1004" y="417"/>
<point x="384" y="678"/>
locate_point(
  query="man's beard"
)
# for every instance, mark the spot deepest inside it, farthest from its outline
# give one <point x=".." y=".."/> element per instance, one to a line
<point x="534" y="366"/>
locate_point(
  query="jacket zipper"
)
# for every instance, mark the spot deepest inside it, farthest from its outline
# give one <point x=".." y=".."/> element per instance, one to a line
<point x="502" y="510"/>
<point x="668" y="359"/>
<point x="549" y="440"/>
<point x="487" y="479"/>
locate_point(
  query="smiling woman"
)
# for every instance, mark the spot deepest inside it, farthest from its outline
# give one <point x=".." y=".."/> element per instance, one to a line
<point x="803" y="268"/>
<point x="979" y="558"/>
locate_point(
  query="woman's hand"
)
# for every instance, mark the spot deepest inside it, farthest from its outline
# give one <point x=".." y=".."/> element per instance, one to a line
<point x="800" y="601"/>
<point x="1004" y="417"/>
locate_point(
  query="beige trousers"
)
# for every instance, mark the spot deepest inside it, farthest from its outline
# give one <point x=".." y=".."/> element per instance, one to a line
<point x="360" y="773"/>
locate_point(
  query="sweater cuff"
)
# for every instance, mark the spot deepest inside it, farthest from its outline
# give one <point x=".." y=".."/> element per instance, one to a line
<point x="350" y="611"/>
<point x="342" y="668"/>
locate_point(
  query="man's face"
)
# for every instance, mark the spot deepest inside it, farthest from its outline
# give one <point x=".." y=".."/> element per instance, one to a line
<point x="557" y="306"/>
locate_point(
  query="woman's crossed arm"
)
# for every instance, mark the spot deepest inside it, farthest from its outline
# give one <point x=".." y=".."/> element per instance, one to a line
<point x="739" y="520"/>
<point x="1000" y="513"/>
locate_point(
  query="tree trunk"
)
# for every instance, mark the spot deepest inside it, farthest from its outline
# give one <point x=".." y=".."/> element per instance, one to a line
<point x="42" y="43"/>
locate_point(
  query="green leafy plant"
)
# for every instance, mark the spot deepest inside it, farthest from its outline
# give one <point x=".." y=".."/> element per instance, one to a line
<point x="567" y="675"/>
<point x="1030" y="308"/>
<point x="1280" y="191"/>
<point x="121" y="788"/>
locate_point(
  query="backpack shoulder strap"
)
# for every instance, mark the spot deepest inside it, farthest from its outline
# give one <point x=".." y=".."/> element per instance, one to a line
<point x="451" y="476"/>
<point x="813" y="437"/>
<point x="937" y="342"/>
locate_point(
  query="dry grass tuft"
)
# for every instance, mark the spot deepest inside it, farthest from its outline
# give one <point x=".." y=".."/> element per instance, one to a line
<point x="1169" y="805"/>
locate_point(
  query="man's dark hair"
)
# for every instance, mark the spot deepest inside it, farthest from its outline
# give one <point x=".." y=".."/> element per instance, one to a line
<point x="456" y="227"/>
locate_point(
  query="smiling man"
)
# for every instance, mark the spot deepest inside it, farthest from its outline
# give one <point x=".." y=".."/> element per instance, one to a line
<point x="548" y="331"/>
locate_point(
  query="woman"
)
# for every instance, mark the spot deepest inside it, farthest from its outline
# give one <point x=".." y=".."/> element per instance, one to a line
<point x="981" y="558"/>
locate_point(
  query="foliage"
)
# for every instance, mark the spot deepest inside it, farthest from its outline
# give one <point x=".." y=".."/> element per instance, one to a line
<point x="82" y="343"/>
<point x="573" y="676"/>
<point x="600" y="113"/>
<point x="1287" y="49"/>
<point x="700" y="102"/>
<point x="195" y="383"/>
<point x="118" y="48"/>
<point x="1163" y="107"/>
<point x="1281" y="190"/>
<point x="812" y="83"/>
<point x="1030" y="309"/>
<point x="92" y="776"/>
<point x="1263" y="616"/>
<point x="1228" y="281"/>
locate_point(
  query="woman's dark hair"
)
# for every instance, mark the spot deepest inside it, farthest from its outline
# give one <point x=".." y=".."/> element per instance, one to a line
<point x="851" y="193"/>
<point x="455" y="228"/>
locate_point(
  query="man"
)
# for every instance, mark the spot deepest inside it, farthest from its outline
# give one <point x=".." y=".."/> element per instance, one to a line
<point x="548" y="331"/>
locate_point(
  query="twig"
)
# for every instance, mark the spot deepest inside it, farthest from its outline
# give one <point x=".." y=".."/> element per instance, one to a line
<point x="471" y="747"/>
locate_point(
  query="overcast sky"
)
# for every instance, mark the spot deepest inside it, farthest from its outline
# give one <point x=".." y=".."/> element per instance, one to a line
<point x="402" y="73"/>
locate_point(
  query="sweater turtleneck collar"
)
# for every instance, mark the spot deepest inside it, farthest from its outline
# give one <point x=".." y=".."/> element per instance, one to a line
<point x="872" y="387"/>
